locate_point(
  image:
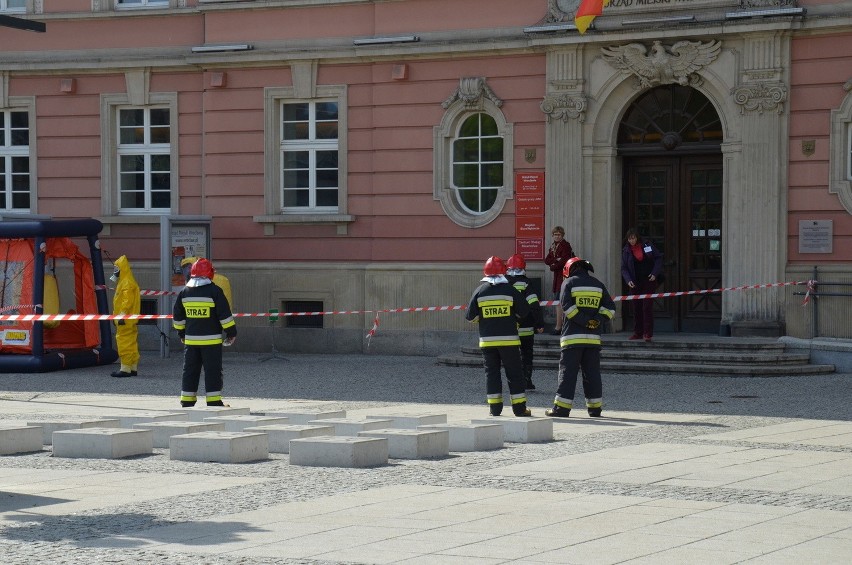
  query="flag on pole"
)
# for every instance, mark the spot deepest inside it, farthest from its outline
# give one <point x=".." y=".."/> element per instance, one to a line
<point x="587" y="11"/>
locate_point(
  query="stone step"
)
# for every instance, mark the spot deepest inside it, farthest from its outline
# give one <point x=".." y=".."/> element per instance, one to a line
<point x="335" y="451"/>
<point x="470" y="437"/>
<point x="102" y="443"/>
<point x="219" y="447"/>
<point x="239" y="422"/>
<point x="163" y="431"/>
<point x="412" y="443"/>
<point x="521" y="430"/>
<point x="48" y="426"/>
<point x="20" y="439"/>
<point x="280" y="435"/>
<point x="694" y="368"/>
<point x="717" y="356"/>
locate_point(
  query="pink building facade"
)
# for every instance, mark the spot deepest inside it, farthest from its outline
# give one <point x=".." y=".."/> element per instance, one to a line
<point x="365" y="155"/>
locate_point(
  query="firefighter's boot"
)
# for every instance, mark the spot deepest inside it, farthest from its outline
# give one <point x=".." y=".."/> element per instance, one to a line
<point x="595" y="412"/>
<point x="520" y="409"/>
<point x="496" y="409"/>
<point x="557" y="412"/>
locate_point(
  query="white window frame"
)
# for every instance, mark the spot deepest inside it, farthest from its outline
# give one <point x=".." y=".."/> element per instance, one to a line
<point x="147" y="150"/>
<point x="443" y="189"/>
<point x="27" y="105"/>
<point x="840" y="152"/>
<point x="110" y="186"/>
<point x="313" y="146"/>
<point x="141" y="4"/>
<point x="274" y="98"/>
<point x="4" y="7"/>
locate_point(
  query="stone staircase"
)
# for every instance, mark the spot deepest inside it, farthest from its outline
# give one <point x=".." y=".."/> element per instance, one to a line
<point x="686" y="354"/>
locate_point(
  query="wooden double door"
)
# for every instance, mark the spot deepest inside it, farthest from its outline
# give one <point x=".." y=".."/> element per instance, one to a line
<point x="676" y="201"/>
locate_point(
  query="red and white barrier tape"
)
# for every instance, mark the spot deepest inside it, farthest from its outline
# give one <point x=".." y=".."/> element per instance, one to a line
<point x="373" y="330"/>
<point x="97" y="317"/>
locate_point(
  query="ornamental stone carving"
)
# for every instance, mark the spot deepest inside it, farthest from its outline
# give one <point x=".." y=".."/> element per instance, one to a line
<point x="761" y="97"/>
<point x="663" y="65"/>
<point x="472" y="91"/>
<point x="564" y="106"/>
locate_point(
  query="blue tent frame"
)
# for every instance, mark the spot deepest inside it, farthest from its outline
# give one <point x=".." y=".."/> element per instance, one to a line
<point x="41" y="361"/>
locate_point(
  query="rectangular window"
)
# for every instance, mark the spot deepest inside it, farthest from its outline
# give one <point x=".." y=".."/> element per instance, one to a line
<point x="141" y="3"/>
<point x="144" y="159"/>
<point x="303" y="306"/>
<point x="18" y="6"/>
<point x="15" y="180"/>
<point x="309" y="156"/>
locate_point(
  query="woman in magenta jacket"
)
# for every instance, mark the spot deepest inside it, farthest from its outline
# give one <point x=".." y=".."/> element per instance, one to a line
<point x="560" y="252"/>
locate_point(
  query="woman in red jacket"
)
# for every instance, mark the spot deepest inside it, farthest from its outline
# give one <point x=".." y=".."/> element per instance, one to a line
<point x="560" y="252"/>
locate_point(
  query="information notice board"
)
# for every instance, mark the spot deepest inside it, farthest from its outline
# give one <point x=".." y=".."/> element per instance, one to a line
<point x="529" y="214"/>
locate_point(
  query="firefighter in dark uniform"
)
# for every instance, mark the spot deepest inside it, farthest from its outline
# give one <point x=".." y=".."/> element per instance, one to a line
<point x="587" y="304"/>
<point x="201" y="314"/>
<point x="533" y="322"/>
<point x="498" y="307"/>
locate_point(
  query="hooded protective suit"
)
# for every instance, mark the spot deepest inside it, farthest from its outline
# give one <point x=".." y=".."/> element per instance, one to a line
<point x="127" y="300"/>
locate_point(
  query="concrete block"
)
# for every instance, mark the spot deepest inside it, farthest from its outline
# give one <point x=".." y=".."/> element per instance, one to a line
<point x="128" y="420"/>
<point x="19" y="439"/>
<point x="521" y="430"/>
<point x="163" y="431"/>
<point x="335" y="451"/>
<point x="281" y="434"/>
<point x="102" y="443"/>
<point x="240" y="422"/>
<point x="198" y="413"/>
<point x="471" y="437"/>
<point x="411" y="421"/>
<point x="303" y="417"/>
<point x="50" y="426"/>
<point x="413" y="444"/>
<point x="219" y="447"/>
<point x="351" y="426"/>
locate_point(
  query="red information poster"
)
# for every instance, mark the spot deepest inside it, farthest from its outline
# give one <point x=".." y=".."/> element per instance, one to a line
<point x="529" y="215"/>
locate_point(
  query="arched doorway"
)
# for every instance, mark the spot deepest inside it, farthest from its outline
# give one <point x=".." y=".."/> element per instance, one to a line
<point x="670" y="143"/>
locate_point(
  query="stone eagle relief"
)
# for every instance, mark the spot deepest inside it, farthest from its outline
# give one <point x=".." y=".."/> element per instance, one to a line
<point x="664" y="65"/>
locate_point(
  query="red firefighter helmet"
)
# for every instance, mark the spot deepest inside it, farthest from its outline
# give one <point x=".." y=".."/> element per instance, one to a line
<point x="494" y="266"/>
<point x="202" y="268"/>
<point x="576" y="261"/>
<point x="516" y="261"/>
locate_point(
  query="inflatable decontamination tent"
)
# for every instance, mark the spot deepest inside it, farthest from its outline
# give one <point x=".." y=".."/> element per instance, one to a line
<point x="40" y="263"/>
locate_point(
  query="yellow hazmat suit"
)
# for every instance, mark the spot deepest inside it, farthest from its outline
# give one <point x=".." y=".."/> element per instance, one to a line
<point x="219" y="280"/>
<point x="127" y="300"/>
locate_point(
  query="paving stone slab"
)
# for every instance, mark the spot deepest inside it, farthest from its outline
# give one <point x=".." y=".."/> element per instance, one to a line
<point x="410" y="421"/>
<point x="303" y="417"/>
<point x="55" y="425"/>
<point x="471" y="437"/>
<point x="239" y="422"/>
<point x="413" y="444"/>
<point x="19" y="439"/>
<point x="163" y="431"/>
<point x="219" y="447"/>
<point x="339" y="451"/>
<point x="281" y="434"/>
<point x="351" y="426"/>
<point x="198" y="413"/>
<point x="102" y="443"/>
<point x="521" y="430"/>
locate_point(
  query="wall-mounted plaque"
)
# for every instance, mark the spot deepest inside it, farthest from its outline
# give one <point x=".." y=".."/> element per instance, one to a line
<point x="815" y="236"/>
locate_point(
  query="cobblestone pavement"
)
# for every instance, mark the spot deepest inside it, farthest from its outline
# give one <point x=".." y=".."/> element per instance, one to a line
<point x="721" y="470"/>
